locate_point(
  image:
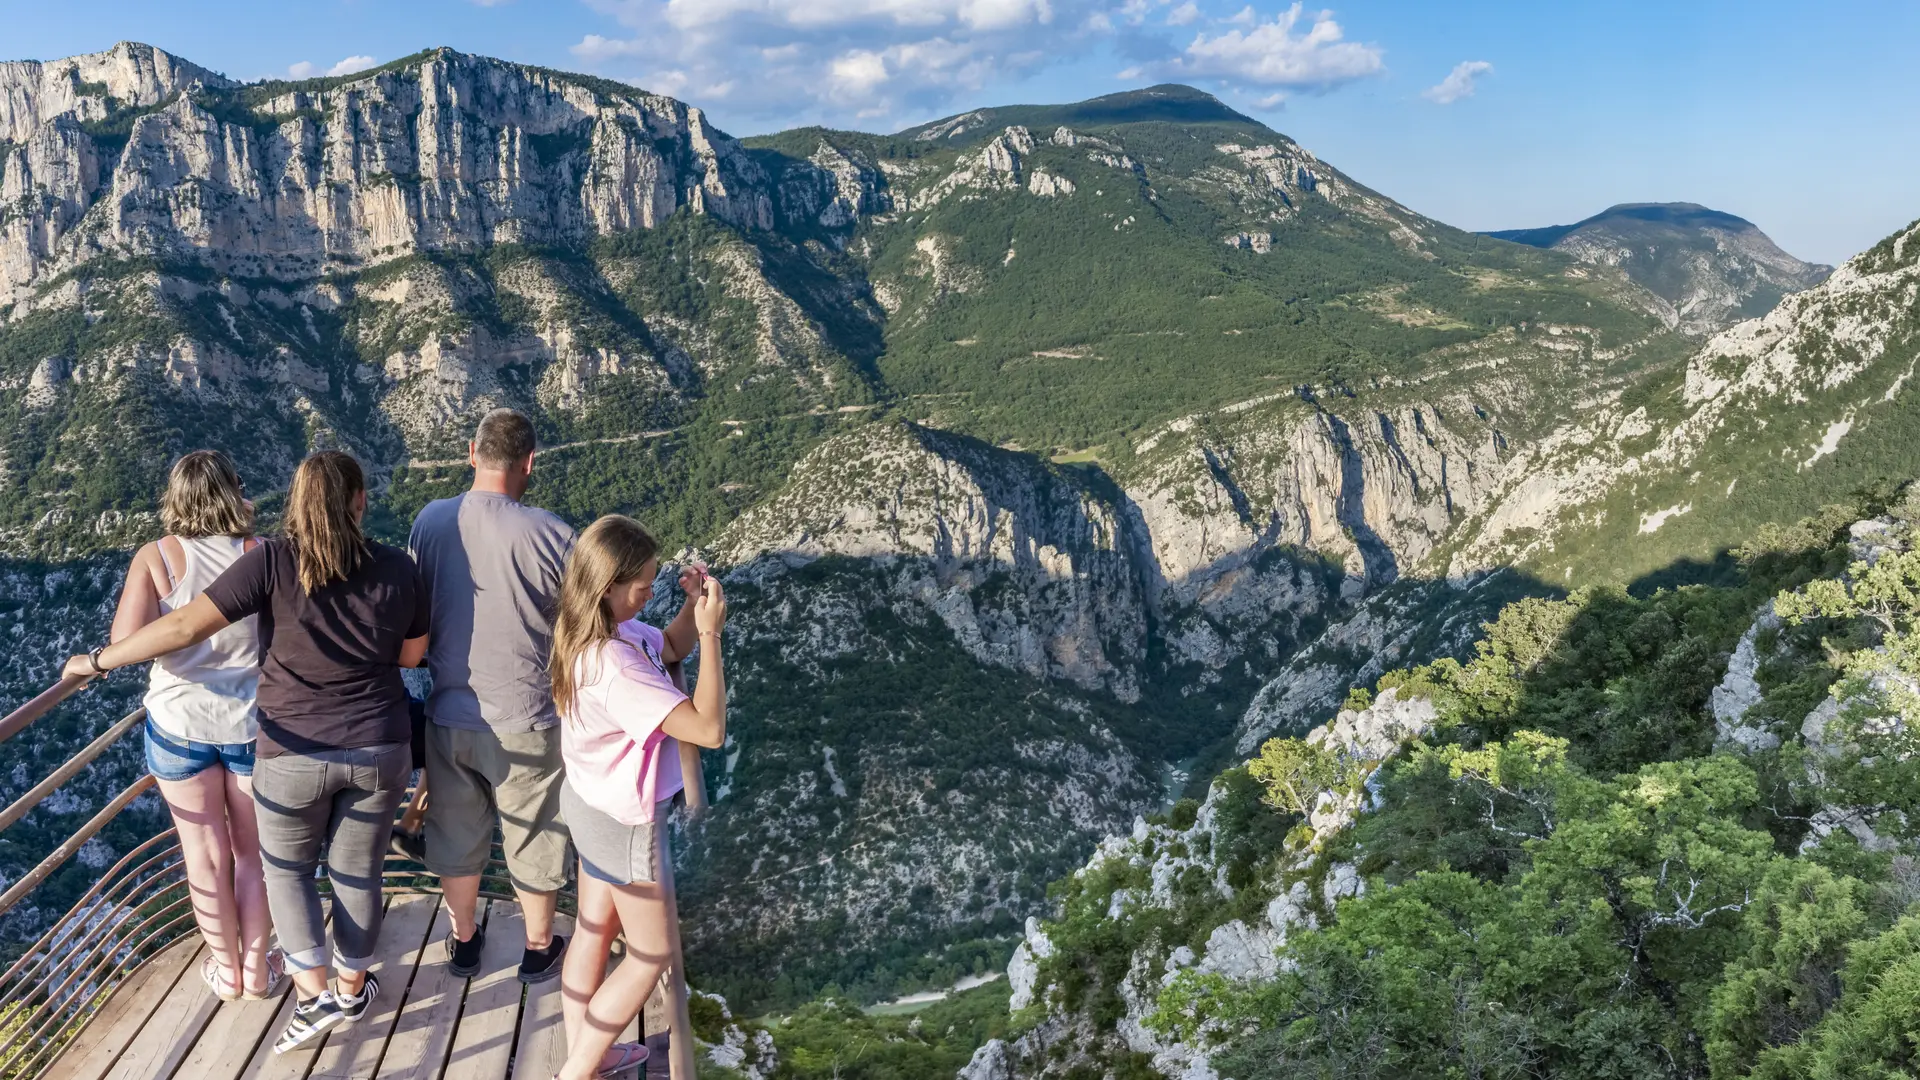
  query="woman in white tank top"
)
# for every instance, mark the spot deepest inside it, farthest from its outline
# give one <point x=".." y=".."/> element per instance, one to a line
<point x="200" y="720"/>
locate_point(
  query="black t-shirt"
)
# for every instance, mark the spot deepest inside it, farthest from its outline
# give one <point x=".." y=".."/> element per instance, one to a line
<point x="330" y="662"/>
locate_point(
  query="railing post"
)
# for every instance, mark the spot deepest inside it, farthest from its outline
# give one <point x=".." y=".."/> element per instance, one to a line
<point x="681" y="1057"/>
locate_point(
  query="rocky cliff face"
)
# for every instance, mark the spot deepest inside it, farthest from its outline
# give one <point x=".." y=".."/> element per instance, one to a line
<point x="1708" y="269"/>
<point x="447" y="152"/>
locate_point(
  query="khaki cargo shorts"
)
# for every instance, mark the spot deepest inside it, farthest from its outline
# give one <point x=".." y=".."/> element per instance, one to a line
<point x="478" y="778"/>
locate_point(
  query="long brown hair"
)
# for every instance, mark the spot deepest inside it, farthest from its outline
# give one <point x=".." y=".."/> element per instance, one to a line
<point x="203" y="498"/>
<point x="327" y="541"/>
<point x="614" y="549"/>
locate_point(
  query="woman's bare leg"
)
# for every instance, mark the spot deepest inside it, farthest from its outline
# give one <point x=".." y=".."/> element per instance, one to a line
<point x="249" y="887"/>
<point x="199" y="807"/>
<point x="643" y="917"/>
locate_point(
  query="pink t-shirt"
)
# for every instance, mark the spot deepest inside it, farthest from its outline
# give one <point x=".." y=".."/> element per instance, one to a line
<point x="618" y="759"/>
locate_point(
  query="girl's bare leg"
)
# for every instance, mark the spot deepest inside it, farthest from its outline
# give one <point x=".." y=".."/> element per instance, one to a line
<point x="585" y="965"/>
<point x="642" y="911"/>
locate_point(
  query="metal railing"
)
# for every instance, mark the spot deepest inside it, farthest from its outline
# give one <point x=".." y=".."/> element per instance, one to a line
<point x="141" y="905"/>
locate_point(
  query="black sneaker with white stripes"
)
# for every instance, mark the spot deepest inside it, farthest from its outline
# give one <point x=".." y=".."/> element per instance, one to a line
<point x="354" y="1006"/>
<point x="311" y="1019"/>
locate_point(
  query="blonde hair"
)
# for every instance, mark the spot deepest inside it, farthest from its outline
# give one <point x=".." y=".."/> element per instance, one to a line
<point x="203" y="498"/>
<point x="614" y="549"/>
<point x="327" y="542"/>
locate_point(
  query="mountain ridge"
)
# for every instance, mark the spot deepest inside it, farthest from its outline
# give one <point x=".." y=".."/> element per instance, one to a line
<point x="1709" y="267"/>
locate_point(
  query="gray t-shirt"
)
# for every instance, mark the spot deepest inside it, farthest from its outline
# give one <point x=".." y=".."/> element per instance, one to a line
<point x="492" y="568"/>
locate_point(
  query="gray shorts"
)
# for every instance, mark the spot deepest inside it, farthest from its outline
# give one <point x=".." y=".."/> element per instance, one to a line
<point x="610" y="851"/>
<point x="478" y="778"/>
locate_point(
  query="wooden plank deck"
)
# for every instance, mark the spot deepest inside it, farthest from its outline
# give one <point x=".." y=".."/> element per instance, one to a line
<point x="164" y="1024"/>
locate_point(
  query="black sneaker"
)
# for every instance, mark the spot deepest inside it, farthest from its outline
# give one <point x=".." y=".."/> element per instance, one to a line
<point x="539" y="965"/>
<point x="311" y="1019"/>
<point x="463" y="957"/>
<point x="411" y="846"/>
<point x="354" y="1006"/>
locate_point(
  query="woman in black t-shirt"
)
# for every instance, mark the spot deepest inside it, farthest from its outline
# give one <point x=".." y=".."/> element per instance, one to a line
<point x="339" y="616"/>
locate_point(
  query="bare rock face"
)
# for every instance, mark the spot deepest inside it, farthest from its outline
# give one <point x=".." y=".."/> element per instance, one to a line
<point x="451" y="152"/>
<point x="1028" y="570"/>
<point x="1740" y="691"/>
<point x="1373" y="491"/>
<point x="85" y="88"/>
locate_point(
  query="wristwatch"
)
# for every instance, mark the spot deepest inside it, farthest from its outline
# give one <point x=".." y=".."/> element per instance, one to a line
<point x="93" y="657"/>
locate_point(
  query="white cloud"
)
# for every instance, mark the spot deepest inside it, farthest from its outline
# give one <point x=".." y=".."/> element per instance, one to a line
<point x="307" y="69"/>
<point x="352" y="64"/>
<point x="1458" y="84"/>
<point x="785" y="62"/>
<point x="798" y="60"/>
<point x="1280" y="53"/>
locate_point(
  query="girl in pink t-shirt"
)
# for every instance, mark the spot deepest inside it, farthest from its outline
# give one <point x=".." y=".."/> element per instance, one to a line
<point x="620" y="715"/>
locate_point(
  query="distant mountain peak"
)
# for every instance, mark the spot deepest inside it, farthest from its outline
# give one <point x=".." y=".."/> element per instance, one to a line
<point x="1166" y="102"/>
<point x="1706" y="269"/>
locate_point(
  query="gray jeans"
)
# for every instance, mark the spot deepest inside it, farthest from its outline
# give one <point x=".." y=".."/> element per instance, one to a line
<point x="344" y="799"/>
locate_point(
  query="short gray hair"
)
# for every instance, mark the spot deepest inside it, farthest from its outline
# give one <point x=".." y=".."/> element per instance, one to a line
<point x="503" y="439"/>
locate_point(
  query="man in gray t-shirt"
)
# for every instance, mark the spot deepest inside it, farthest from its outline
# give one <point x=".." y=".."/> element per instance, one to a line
<point x="492" y="568"/>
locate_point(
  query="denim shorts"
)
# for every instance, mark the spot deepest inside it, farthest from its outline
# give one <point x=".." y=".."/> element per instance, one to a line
<point x="171" y="758"/>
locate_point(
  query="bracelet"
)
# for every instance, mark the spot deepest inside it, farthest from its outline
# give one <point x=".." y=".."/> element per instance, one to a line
<point x="93" y="657"/>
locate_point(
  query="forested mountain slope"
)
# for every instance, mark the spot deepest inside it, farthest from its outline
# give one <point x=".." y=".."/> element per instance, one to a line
<point x="1666" y="835"/>
<point x="1709" y="268"/>
<point x="1053" y="452"/>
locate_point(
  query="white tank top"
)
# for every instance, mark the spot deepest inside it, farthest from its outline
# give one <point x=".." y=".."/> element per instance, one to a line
<point x="205" y="692"/>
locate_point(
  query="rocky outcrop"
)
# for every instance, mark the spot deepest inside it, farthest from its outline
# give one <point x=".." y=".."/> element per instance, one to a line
<point x="1740" y="691"/>
<point x="1027" y="568"/>
<point x="90" y="87"/>
<point x="1240" y="950"/>
<point x="447" y="153"/>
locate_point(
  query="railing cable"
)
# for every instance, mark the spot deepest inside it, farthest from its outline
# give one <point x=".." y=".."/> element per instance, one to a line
<point x="71" y="769"/>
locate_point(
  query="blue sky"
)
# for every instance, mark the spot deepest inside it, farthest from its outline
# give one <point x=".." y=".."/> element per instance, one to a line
<point x="1484" y="115"/>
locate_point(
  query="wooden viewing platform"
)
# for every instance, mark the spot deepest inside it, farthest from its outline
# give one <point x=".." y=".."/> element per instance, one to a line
<point x="112" y="989"/>
<point x="164" y="1023"/>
